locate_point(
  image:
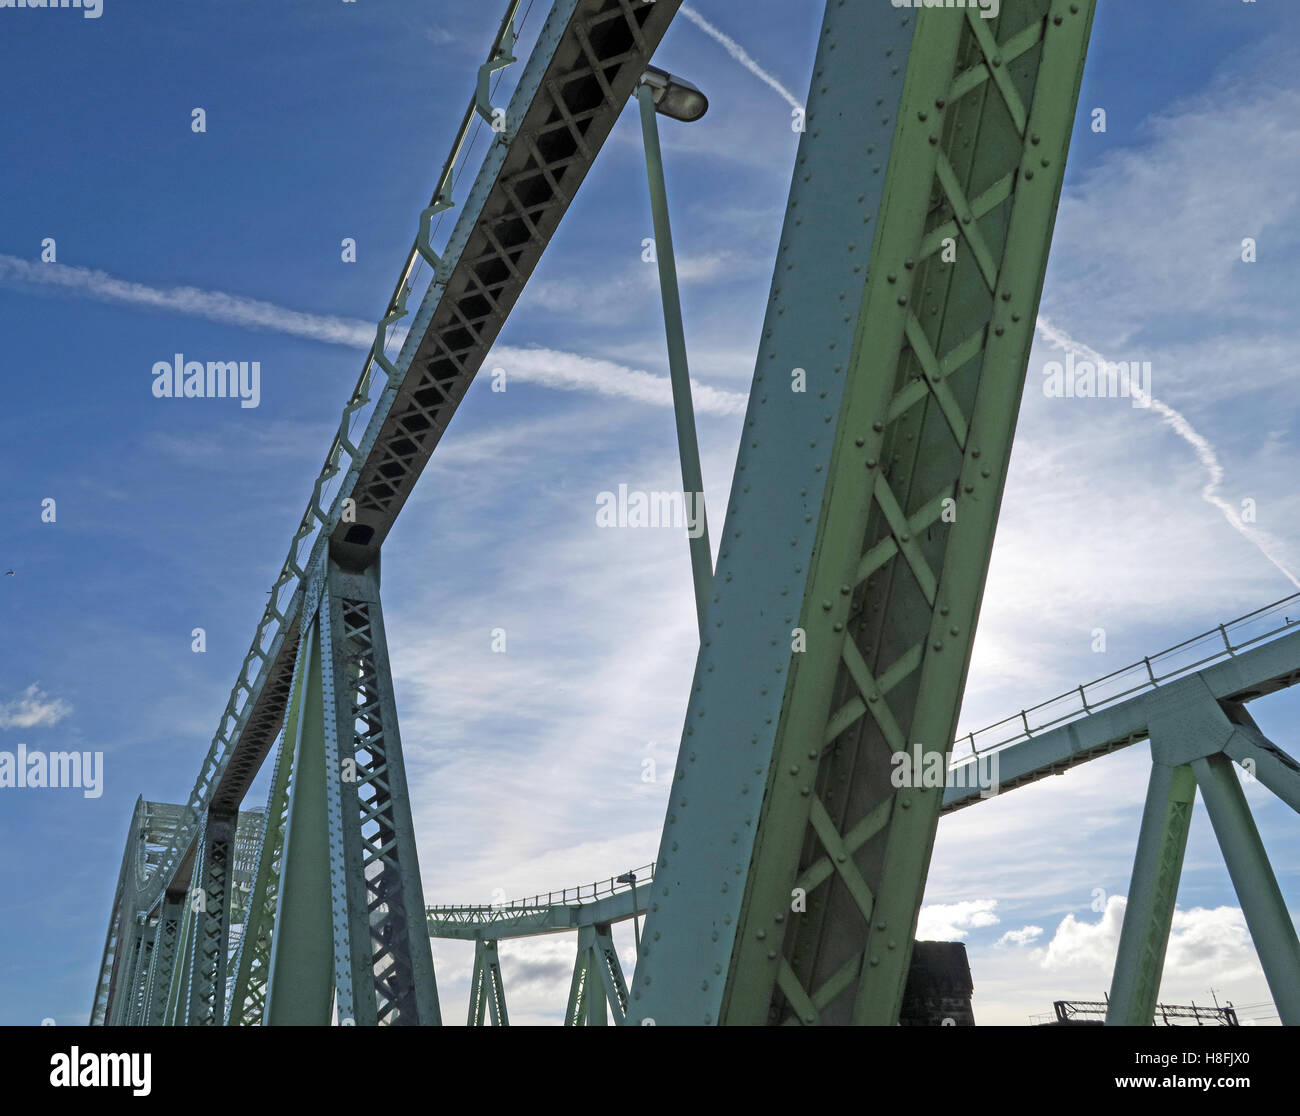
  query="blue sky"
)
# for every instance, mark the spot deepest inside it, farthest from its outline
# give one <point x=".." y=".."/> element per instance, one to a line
<point x="331" y="120"/>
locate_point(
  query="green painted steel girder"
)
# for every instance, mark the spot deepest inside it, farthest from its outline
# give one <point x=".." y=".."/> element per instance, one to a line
<point x="170" y="918"/>
<point x="598" y="988"/>
<point x="300" y="973"/>
<point x="203" y="999"/>
<point x="252" y="963"/>
<point x="1152" y="892"/>
<point x="487" y="994"/>
<point x="1265" y="910"/>
<point x="585" y="64"/>
<point x="383" y="964"/>
<point x="846" y="597"/>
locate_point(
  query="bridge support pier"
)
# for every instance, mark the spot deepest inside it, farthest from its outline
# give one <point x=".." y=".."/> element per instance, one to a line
<point x="487" y="994"/>
<point x="1151" y="895"/>
<point x="163" y="962"/>
<point x="350" y="916"/>
<point x="203" y="999"/>
<point x="597" y="981"/>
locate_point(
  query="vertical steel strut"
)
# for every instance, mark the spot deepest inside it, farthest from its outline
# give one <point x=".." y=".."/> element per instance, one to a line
<point x="350" y="918"/>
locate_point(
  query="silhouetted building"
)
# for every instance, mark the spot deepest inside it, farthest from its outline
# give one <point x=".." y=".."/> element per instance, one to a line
<point x="939" y="987"/>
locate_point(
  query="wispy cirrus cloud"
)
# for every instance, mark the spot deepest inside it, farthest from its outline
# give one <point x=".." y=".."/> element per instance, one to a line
<point x="549" y="368"/>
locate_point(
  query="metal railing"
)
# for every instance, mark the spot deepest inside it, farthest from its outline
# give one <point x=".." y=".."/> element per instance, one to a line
<point x="1216" y="645"/>
<point x="324" y="508"/>
<point x="570" y="896"/>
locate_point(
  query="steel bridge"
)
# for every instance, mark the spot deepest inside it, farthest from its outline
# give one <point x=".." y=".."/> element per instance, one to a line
<point x="837" y="630"/>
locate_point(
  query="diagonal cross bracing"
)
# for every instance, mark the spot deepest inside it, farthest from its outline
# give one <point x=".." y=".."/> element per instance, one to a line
<point x="846" y="595"/>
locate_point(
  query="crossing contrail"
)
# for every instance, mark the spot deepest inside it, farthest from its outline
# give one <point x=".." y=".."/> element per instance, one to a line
<point x="740" y="54"/>
<point x="1205" y="453"/>
<point x="548" y="368"/>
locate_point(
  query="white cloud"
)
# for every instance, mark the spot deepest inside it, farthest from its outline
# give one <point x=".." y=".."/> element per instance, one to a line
<point x="949" y="922"/>
<point x="1023" y="936"/>
<point x="33" y="709"/>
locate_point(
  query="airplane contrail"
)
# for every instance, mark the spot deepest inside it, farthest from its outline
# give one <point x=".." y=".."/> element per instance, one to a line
<point x="740" y="54"/>
<point x="1205" y="452"/>
<point x="214" y="305"/>
<point x="549" y="368"/>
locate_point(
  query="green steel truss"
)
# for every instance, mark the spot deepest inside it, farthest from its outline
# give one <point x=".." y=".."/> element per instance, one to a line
<point x="840" y="622"/>
<point x="598" y="989"/>
<point x="252" y="959"/>
<point x="812" y="908"/>
<point x="337" y="915"/>
<point x="487" y="994"/>
<point x="1149" y="913"/>
<point x="583" y="69"/>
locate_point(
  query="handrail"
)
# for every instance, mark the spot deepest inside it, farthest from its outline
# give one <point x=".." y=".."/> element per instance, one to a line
<point x="569" y="896"/>
<point x="275" y="622"/>
<point x="1145" y="667"/>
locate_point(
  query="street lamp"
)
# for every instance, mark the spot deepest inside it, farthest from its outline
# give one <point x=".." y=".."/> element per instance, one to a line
<point x="674" y="96"/>
<point x="630" y="878"/>
<point x="662" y="92"/>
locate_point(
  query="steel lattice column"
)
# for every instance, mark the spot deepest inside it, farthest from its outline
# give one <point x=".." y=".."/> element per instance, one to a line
<point x="349" y="877"/>
<point x="205" y="991"/>
<point x="487" y="994"/>
<point x="1152" y="892"/>
<point x="383" y="961"/>
<point x="863" y="511"/>
<point x="144" y="974"/>
<point x="597" y="982"/>
<point x="125" y="996"/>
<point x="170" y="917"/>
<point x="253" y="958"/>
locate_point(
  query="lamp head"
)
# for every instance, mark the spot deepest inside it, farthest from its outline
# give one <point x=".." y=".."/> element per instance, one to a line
<point x="674" y="96"/>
